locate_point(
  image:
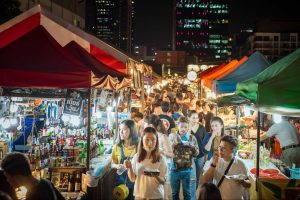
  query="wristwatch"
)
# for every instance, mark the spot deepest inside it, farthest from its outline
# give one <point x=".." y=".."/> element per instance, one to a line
<point x="212" y="165"/>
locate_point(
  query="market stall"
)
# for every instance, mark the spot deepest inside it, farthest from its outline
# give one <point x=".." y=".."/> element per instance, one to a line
<point x="49" y="73"/>
<point x="58" y="146"/>
<point x="275" y="90"/>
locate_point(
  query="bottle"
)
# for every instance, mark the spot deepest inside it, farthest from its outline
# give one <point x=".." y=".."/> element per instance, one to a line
<point x="71" y="183"/>
<point x="101" y="147"/>
<point x="77" y="183"/>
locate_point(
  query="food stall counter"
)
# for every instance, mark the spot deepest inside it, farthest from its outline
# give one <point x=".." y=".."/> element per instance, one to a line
<point x="268" y="170"/>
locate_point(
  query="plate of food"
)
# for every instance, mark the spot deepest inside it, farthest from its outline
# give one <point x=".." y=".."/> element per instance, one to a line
<point x="238" y="177"/>
<point x="151" y="172"/>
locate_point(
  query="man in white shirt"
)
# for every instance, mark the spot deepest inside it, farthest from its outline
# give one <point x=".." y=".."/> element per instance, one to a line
<point x="216" y="167"/>
<point x="289" y="140"/>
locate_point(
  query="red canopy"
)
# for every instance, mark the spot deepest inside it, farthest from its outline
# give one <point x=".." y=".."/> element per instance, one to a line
<point x="99" y="68"/>
<point x="63" y="33"/>
<point x="36" y="60"/>
<point x="18" y="30"/>
<point x="107" y="59"/>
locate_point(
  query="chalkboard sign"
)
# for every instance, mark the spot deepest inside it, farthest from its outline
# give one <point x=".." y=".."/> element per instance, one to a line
<point x="73" y="102"/>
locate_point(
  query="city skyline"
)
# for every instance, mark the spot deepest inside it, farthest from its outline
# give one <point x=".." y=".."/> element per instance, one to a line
<point x="153" y="19"/>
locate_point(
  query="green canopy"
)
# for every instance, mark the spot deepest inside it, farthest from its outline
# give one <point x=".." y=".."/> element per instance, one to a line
<point x="276" y="89"/>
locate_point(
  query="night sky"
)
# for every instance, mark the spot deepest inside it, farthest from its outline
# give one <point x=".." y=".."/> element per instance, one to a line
<point x="153" y="18"/>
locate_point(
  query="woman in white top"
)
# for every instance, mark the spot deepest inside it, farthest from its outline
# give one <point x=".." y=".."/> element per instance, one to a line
<point x="164" y="146"/>
<point x="148" y="159"/>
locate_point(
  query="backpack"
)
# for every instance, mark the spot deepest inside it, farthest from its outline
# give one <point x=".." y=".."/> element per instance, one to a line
<point x="183" y="156"/>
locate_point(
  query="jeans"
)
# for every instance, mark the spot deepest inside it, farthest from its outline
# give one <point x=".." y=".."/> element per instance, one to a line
<point x="199" y="164"/>
<point x="193" y="184"/>
<point x="184" y="176"/>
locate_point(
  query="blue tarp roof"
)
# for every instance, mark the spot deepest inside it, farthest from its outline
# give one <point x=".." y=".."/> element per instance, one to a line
<point x="250" y="68"/>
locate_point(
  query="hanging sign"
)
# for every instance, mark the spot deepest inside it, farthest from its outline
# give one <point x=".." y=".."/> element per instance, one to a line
<point x="73" y="102"/>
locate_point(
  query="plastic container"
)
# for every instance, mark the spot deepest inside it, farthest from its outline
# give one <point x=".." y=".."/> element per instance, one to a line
<point x="91" y="179"/>
<point x="295" y="173"/>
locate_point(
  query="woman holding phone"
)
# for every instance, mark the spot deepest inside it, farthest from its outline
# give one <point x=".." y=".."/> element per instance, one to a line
<point x="148" y="168"/>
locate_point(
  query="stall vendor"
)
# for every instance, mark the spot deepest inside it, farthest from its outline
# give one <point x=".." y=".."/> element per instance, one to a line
<point x="289" y="140"/>
<point x="124" y="149"/>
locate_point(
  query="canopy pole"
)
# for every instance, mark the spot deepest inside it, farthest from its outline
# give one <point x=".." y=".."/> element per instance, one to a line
<point x="116" y="112"/>
<point x="200" y="89"/>
<point x="143" y="94"/>
<point x="257" y="149"/>
<point x="88" y="130"/>
<point x="237" y="112"/>
<point x="129" y="101"/>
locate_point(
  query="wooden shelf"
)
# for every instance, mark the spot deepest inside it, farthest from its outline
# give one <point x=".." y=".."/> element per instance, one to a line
<point x="67" y="169"/>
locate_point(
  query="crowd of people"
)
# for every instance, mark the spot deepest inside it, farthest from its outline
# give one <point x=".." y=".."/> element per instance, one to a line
<point x="175" y="149"/>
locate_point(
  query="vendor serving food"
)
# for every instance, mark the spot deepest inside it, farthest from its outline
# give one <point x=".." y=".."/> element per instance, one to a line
<point x="289" y="140"/>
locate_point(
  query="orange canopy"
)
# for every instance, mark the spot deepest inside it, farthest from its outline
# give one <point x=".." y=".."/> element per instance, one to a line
<point x="210" y="71"/>
<point x="221" y="72"/>
<point x="218" y="71"/>
<point x="231" y="69"/>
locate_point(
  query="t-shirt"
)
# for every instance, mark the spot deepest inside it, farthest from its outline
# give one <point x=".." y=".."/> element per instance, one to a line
<point x="165" y="146"/>
<point x="168" y="122"/>
<point x="146" y="186"/>
<point x="229" y="189"/>
<point x="43" y="191"/>
<point x="285" y="132"/>
<point x="116" y="153"/>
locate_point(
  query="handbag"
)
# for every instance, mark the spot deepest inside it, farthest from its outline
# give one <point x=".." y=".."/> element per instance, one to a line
<point x="226" y="171"/>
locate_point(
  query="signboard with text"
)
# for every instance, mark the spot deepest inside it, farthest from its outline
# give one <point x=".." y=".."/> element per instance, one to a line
<point x="73" y="102"/>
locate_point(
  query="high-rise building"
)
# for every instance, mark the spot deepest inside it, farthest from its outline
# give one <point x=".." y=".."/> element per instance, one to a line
<point x="201" y="28"/>
<point x="218" y="30"/>
<point x="72" y="11"/>
<point x="111" y="20"/>
<point x="275" y="38"/>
